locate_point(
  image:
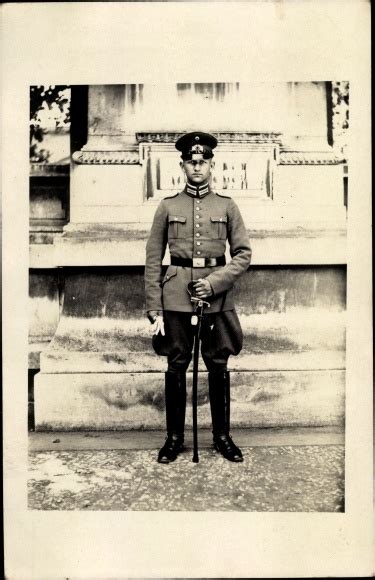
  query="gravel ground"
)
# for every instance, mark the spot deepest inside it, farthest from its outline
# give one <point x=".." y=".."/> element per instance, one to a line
<point x="305" y="478"/>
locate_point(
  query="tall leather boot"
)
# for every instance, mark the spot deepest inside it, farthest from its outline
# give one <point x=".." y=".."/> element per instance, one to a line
<point x="219" y="390"/>
<point x="175" y="406"/>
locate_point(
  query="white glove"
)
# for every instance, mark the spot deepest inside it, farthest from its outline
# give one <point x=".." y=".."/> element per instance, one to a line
<point x="158" y="326"/>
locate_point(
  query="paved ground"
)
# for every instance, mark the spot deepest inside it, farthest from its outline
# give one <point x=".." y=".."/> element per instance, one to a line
<point x="280" y="472"/>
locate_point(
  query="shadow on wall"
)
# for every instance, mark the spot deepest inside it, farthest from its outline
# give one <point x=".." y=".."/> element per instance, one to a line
<point x="119" y="292"/>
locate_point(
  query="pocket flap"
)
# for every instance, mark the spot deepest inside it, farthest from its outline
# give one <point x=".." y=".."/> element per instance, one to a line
<point x="219" y="218"/>
<point x="170" y="273"/>
<point x="177" y="218"/>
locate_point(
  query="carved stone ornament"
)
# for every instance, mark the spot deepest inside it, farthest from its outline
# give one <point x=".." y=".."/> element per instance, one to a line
<point x="310" y="158"/>
<point x="224" y="137"/>
<point x="106" y="157"/>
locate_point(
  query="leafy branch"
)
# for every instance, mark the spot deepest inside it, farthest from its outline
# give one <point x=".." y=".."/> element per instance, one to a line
<point x="42" y="98"/>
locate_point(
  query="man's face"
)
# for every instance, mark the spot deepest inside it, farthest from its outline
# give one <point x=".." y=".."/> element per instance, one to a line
<point x="197" y="169"/>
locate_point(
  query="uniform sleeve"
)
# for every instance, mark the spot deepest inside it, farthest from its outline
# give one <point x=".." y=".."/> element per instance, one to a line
<point x="155" y="250"/>
<point x="240" y="251"/>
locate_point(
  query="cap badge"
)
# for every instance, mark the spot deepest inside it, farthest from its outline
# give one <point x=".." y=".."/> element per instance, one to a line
<point x="197" y="138"/>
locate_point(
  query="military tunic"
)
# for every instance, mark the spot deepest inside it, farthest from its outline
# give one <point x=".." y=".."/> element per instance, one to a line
<point x="195" y="227"/>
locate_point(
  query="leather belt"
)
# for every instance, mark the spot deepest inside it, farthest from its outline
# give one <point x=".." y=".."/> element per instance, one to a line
<point x="198" y="262"/>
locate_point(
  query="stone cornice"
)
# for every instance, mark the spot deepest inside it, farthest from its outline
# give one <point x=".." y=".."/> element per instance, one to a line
<point x="132" y="157"/>
<point x="222" y="137"/>
<point x="106" y="157"/>
<point x="310" y="158"/>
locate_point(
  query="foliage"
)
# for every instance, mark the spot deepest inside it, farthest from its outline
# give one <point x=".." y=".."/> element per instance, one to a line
<point x="49" y="110"/>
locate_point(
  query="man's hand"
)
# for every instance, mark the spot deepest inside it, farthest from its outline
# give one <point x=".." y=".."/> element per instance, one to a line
<point x="203" y="288"/>
<point x="156" y="318"/>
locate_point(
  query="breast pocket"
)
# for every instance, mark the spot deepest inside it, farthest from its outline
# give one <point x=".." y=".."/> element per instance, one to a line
<point x="219" y="226"/>
<point x="177" y="225"/>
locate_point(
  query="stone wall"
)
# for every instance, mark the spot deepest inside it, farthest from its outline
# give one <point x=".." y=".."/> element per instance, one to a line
<point x="289" y="178"/>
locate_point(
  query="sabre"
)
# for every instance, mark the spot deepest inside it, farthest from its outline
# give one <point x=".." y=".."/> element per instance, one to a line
<point x="196" y="321"/>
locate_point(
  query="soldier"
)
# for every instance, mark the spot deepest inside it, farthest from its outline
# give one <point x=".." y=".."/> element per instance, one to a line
<point x="196" y="223"/>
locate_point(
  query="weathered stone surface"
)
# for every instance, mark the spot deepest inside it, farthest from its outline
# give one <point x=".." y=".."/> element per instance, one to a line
<point x="313" y="186"/>
<point x="103" y="327"/>
<point x="136" y="400"/>
<point x="271" y="249"/>
<point x="43" y="305"/>
<point x="49" y="198"/>
<point x="147" y="361"/>
<point x="292" y="319"/>
<point x="306" y="294"/>
<point x="99" y="371"/>
<point x="106" y="193"/>
<point x="42" y="255"/>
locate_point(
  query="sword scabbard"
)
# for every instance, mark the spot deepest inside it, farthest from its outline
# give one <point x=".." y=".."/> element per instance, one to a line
<point x="196" y="321"/>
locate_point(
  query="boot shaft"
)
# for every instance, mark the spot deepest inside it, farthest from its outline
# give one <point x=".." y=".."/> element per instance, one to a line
<point x="175" y="402"/>
<point x="219" y="391"/>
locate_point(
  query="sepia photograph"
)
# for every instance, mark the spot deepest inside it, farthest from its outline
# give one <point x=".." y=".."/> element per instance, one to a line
<point x="187" y="298"/>
<point x="187" y="288"/>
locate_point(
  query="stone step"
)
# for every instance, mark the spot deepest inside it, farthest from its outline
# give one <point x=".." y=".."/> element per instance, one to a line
<point x="286" y="341"/>
<point x="126" y="401"/>
<point x="136" y="440"/>
<point x="131" y="362"/>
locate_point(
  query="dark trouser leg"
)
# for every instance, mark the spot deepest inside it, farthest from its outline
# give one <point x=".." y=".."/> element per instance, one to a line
<point x="222" y="336"/>
<point x="175" y="405"/>
<point x="177" y="345"/>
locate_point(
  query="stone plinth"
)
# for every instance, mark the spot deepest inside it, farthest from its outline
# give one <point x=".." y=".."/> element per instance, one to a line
<point x="136" y="401"/>
<point x="99" y="371"/>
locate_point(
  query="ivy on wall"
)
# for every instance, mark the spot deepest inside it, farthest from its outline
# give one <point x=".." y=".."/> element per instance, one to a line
<point x="49" y="112"/>
<point x="340" y="115"/>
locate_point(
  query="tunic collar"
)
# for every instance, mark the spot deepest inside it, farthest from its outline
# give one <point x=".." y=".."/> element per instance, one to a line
<point x="197" y="190"/>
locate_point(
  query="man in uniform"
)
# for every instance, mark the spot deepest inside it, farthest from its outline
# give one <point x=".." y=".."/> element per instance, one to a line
<point x="196" y="224"/>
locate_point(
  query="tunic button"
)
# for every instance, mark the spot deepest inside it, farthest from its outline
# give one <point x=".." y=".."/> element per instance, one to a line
<point x="197" y="235"/>
<point x="197" y="225"/>
<point x="197" y="216"/>
<point x="198" y="253"/>
<point x="198" y="243"/>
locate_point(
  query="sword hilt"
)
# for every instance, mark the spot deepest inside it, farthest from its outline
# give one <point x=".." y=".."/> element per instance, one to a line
<point x="198" y="310"/>
<point x="194" y="299"/>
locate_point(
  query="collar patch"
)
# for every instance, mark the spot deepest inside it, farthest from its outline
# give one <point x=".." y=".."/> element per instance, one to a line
<point x="197" y="191"/>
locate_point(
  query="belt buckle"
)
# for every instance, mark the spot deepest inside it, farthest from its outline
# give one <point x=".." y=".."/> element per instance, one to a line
<point x="199" y="262"/>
